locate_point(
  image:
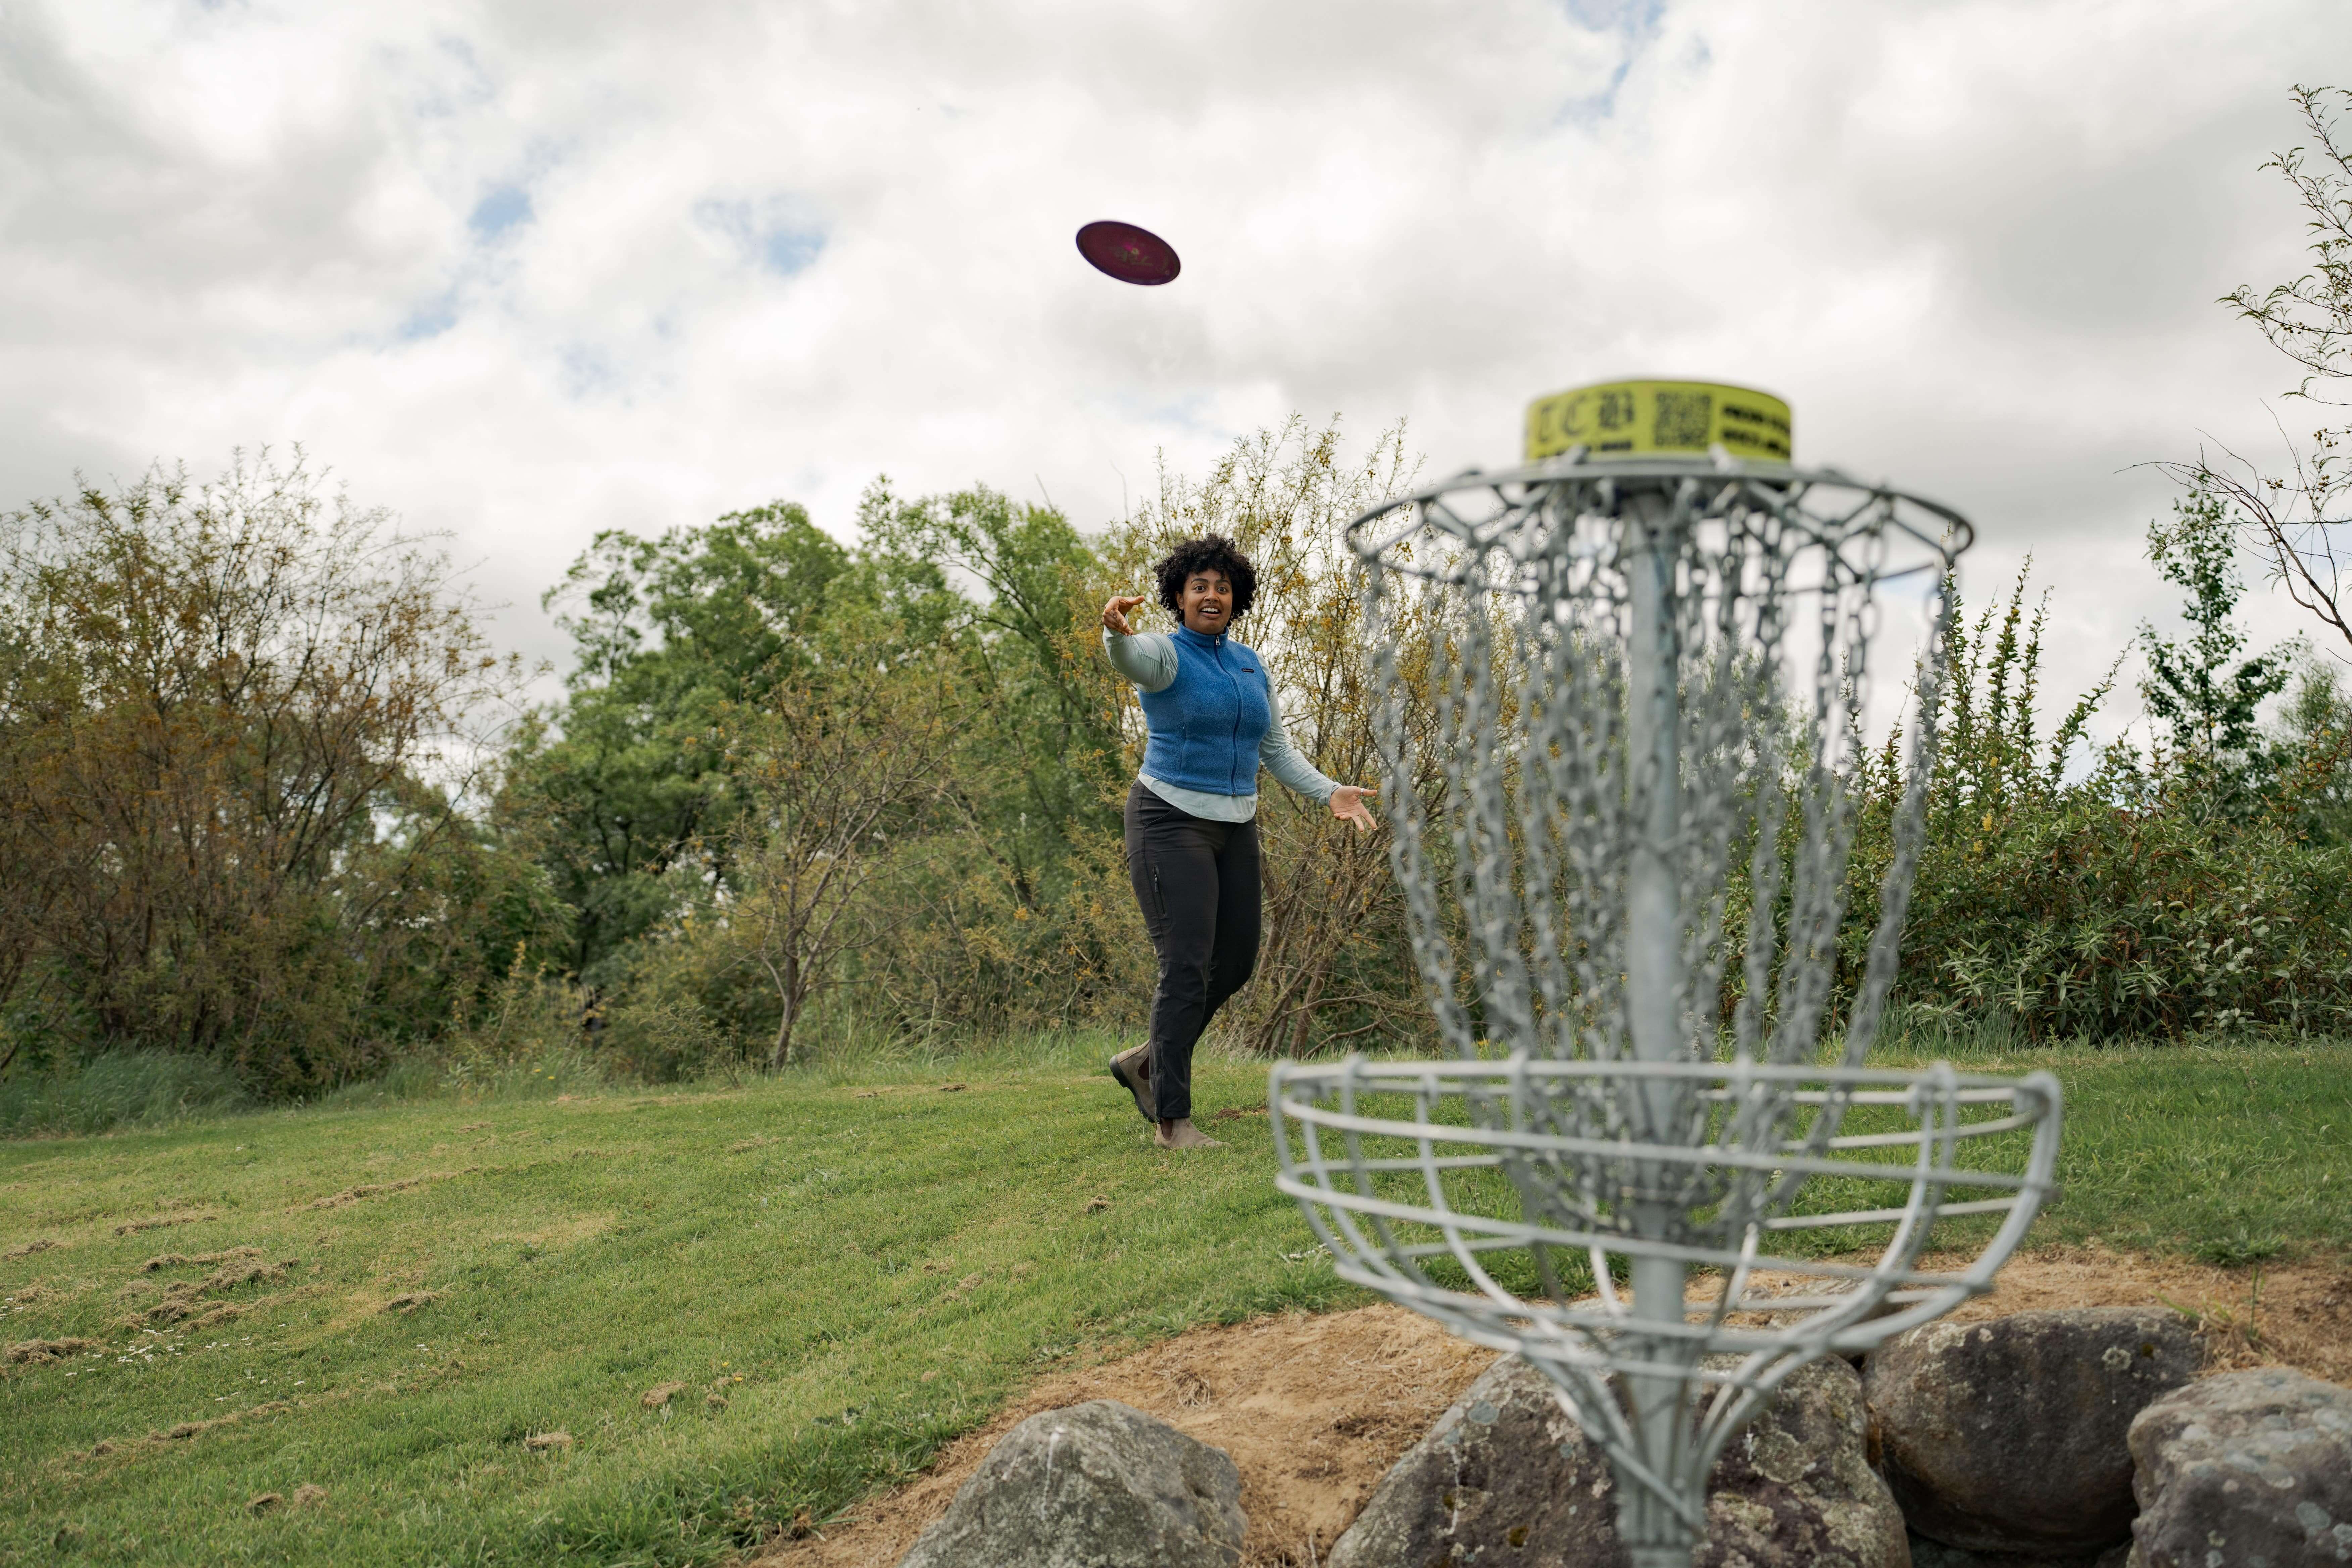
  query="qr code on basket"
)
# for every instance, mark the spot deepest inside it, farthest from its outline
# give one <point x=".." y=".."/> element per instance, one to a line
<point x="1684" y="418"/>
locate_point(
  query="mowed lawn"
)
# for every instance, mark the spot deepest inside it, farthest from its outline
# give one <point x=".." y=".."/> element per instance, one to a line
<point x="451" y="1317"/>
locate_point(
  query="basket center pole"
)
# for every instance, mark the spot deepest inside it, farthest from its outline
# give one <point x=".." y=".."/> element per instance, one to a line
<point x="1653" y="961"/>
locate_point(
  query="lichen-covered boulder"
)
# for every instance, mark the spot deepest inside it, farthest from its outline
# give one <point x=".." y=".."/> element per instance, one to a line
<point x="1506" y="1469"/>
<point x="1507" y="1475"/>
<point x="1797" y="1486"/>
<point x="2245" y="1470"/>
<point x="2007" y="1435"/>
<point x="1099" y="1485"/>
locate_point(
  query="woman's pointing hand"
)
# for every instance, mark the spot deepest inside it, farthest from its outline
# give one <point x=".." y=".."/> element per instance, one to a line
<point x="1115" y="613"/>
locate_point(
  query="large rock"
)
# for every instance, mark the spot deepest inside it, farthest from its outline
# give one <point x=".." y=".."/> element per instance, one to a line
<point x="2245" y="1470"/>
<point x="1506" y="1469"/>
<point x="2007" y="1436"/>
<point x="1508" y="1476"/>
<point x="1099" y="1485"/>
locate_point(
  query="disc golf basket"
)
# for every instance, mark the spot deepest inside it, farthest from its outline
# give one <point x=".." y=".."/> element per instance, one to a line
<point x="1621" y="699"/>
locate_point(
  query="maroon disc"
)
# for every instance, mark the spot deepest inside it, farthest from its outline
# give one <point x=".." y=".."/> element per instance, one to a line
<point x="1129" y="254"/>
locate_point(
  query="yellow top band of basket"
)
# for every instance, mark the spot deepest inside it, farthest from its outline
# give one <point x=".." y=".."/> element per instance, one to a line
<point x="1633" y="418"/>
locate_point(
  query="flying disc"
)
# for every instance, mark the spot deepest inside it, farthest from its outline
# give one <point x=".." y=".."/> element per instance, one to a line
<point x="1129" y="254"/>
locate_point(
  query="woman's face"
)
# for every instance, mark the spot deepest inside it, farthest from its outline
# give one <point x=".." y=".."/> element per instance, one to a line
<point x="1207" y="602"/>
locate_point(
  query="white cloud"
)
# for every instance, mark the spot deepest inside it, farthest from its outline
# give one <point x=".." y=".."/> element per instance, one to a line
<point x="526" y="269"/>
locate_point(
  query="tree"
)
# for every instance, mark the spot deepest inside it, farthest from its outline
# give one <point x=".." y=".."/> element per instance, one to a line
<point x="2313" y="739"/>
<point x="222" y="710"/>
<point x="1334" y="967"/>
<point x="2201" y="689"/>
<point x="838" y="768"/>
<point x="1043" y="759"/>
<point x="624" y="786"/>
<point x="2296" y="522"/>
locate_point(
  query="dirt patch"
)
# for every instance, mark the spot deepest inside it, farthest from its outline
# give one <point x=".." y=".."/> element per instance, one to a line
<point x="1315" y="1410"/>
<point x="2290" y="1314"/>
<point x="30" y="1248"/>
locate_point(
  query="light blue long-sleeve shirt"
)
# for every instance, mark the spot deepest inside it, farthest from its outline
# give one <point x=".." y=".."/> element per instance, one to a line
<point x="1148" y="660"/>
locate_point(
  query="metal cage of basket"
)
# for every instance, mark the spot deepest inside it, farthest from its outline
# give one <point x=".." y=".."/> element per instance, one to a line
<point x="1397" y="1190"/>
<point x="1621" y="711"/>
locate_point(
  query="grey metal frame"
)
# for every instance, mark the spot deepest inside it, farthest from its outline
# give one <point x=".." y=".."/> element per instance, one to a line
<point x="1589" y="712"/>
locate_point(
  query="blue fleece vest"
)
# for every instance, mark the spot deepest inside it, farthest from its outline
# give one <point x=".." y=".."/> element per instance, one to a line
<point x="1206" y="723"/>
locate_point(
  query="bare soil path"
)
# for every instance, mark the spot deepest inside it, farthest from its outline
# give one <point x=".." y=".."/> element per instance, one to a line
<point x="1314" y="1410"/>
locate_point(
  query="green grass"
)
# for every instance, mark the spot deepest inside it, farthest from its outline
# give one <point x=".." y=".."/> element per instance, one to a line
<point x="2231" y="1154"/>
<point x="879" y="1272"/>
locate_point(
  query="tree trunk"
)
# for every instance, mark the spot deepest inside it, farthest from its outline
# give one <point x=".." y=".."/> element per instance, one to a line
<point x="1321" y="978"/>
<point x="790" y="991"/>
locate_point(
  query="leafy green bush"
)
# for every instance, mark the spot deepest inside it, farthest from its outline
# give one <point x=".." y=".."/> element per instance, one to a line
<point x="2152" y="893"/>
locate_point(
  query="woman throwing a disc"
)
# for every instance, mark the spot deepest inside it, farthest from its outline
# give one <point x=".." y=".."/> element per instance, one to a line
<point x="1192" y="829"/>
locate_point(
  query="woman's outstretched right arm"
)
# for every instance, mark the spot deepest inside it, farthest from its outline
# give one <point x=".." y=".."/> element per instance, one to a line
<point x="1147" y="658"/>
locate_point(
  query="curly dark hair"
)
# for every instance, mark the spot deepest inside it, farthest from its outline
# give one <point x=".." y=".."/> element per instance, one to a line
<point x="1212" y="551"/>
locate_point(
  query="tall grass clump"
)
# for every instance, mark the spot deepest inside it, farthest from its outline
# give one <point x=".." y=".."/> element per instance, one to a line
<point x="533" y="1039"/>
<point x="114" y="1090"/>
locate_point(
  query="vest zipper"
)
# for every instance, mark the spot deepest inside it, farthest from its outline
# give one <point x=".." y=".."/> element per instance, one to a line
<point x="1234" y="777"/>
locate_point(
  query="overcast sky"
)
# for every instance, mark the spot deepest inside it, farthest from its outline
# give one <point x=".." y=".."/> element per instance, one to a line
<point x="522" y="270"/>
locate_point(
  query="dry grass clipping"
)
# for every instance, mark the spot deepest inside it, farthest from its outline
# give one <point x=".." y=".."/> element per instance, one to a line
<point x="132" y="1227"/>
<point x="238" y="1265"/>
<point x="349" y="1195"/>
<point x="29" y="1353"/>
<point x="30" y="1248"/>
<point x="176" y="1259"/>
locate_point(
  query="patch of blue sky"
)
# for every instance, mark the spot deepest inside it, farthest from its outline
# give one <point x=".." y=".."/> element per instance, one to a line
<point x="1616" y="16"/>
<point x="785" y="251"/>
<point x="503" y="207"/>
<point x="587" y="371"/>
<point x="1636" y="23"/>
<point x="775" y="234"/>
<point x="429" y="320"/>
<point x="1189" y="412"/>
<point x="448" y="79"/>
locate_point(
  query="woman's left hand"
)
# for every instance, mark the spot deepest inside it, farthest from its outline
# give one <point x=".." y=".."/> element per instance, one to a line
<point x="1347" y="805"/>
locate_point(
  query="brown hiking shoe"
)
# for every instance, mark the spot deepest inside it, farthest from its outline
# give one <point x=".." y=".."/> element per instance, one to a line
<point x="1132" y="1069"/>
